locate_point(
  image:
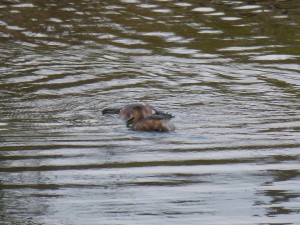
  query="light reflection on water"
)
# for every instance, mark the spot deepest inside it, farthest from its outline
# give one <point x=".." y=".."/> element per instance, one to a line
<point x="228" y="71"/>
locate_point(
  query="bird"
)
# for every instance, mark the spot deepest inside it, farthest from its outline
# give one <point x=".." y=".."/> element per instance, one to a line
<point x="125" y="113"/>
<point x="142" y="121"/>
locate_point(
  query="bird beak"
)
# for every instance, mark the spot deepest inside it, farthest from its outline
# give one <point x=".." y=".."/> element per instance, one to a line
<point x="130" y="122"/>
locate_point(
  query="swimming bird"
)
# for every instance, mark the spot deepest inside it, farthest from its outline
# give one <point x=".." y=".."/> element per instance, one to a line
<point x="141" y="120"/>
<point x="126" y="112"/>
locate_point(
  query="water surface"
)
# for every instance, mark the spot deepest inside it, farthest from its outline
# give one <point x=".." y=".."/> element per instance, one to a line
<point x="228" y="70"/>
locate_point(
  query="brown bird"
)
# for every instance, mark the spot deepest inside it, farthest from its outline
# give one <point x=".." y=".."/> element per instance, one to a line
<point x="125" y="113"/>
<point x="141" y="120"/>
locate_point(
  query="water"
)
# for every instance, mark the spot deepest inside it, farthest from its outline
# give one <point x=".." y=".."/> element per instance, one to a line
<point x="228" y="70"/>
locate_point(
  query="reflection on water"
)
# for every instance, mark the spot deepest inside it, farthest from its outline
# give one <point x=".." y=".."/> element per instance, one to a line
<point x="229" y="72"/>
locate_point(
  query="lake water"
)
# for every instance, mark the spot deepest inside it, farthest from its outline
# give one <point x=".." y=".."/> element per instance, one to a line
<point x="228" y="70"/>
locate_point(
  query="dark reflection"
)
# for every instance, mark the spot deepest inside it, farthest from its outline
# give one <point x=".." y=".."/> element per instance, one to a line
<point x="174" y="180"/>
<point x="279" y="199"/>
<point x="284" y="175"/>
<point x="2" y="212"/>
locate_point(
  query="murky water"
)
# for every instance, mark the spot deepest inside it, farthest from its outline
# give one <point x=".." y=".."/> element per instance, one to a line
<point x="228" y="70"/>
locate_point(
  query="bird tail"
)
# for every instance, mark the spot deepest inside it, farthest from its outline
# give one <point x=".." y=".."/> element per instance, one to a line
<point x="164" y="114"/>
